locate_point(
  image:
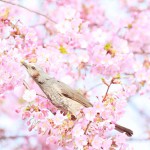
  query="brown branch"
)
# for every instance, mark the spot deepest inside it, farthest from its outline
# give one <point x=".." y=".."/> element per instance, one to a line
<point x="14" y="137"/>
<point x="33" y="11"/>
<point x="141" y="53"/>
<point x="87" y="127"/>
<point x="134" y="139"/>
<point x="108" y="87"/>
<point x="27" y="87"/>
<point x="95" y="86"/>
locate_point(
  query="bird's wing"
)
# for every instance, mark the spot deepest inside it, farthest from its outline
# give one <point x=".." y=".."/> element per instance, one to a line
<point x="73" y="94"/>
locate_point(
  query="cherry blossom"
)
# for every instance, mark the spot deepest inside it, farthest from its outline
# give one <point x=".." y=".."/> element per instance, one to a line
<point x="106" y="59"/>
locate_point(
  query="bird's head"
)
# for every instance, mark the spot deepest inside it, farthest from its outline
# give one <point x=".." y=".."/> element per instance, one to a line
<point x="33" y="70"/>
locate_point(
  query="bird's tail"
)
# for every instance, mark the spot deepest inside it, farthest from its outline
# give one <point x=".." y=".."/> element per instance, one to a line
<point x="123" y="129"/>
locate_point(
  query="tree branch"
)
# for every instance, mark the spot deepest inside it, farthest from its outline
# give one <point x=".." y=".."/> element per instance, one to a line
<point x="88" y="125"/>
<point x="15" y="137"/>
<point x="108" y="87"/>
<point x="27" y="87"/>
<point x="33" y="11"/>
<point x="141" y="53"/>
<point x="134" y="139"/>
<point x="95" y="86"/>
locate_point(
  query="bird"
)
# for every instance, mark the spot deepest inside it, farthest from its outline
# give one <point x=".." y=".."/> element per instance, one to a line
<point x="62" y="95"/>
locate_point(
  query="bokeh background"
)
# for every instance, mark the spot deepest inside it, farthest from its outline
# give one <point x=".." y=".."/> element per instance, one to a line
<point x="137" y="115"/>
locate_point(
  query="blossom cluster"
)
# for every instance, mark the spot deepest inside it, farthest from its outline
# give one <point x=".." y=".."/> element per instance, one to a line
<point x="78" y="43"/>
<point x="92" y="129"/>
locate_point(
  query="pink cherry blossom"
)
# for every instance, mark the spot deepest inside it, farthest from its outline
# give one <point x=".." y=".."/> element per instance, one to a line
<point x="90" y="113"/>
<point x="78" y="131"/>
<point x="97" y="142"/>
<point x="29" y="95"/>
<point x="59" y="118"/>
<point x="79" y="43"/>
<point x="80" y="142"/>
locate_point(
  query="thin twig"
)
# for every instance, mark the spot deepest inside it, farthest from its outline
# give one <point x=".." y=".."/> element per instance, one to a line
<point x="14" y="137"/>
<point x="141" y="53"/>
<point x="42" y="96"/>
<point x="108" y="87"/>
<point x="25" y="84"/>
<point x="95" y="86"/>
<point x="27" y="87"/>
<point x="87" y="127"/>
<point x="134" y="139"/>
<point x="33" y="11"/>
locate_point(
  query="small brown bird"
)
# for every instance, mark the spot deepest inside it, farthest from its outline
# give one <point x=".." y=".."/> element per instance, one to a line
<point x="61" y="95"/>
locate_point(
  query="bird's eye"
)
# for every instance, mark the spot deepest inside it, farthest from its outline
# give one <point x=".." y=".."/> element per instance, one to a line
<point x="33" y="67"/>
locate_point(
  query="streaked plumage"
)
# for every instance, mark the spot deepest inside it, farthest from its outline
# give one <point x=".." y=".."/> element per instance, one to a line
<point x="61" y="95"/>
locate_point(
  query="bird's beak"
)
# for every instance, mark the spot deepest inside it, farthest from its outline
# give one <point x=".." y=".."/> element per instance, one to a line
<point x="25" y="64"/>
